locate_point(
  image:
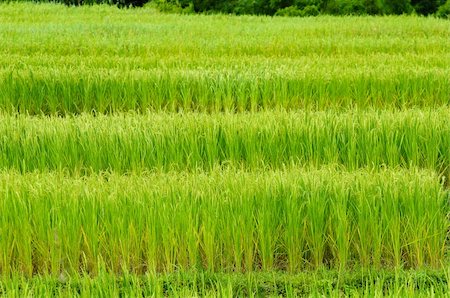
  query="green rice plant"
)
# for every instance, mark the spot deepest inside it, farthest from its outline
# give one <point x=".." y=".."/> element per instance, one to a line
<point x="66" y="94"/>
<point x="188" y="141"/>
<point x="56" y="224"/>
<point x="342" y="231"/>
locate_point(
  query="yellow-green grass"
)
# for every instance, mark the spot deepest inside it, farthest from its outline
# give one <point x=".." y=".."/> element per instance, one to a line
<point x="139" y="142"/>
<point x="55" y="59"/>
<point x="365" y="283"/>
<point x="289" y="220"/>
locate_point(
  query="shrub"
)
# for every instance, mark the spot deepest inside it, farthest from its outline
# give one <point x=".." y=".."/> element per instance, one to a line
<point x="346" y="7"/>
<point x="425" y="7"/>
<point x="444" y="10"/>
<point x="304" y="3"/>
<point x="397" y="7"/>
<point x="291" y="11"/>
<point x="119" y="3"/>
<point x="174" y="6"/>
<point x="310" y="10"/>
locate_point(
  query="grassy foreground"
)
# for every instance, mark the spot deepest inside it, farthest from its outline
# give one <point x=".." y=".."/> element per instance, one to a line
<point x="322" y="283"/>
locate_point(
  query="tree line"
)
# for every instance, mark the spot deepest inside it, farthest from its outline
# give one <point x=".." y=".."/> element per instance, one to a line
<point x="311" y="7"/>
<point x="300" y="8"/>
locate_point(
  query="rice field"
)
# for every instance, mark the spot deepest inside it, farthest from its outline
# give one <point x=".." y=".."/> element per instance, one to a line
<point x="108" y="60"/>
<point x="149" y="154"/>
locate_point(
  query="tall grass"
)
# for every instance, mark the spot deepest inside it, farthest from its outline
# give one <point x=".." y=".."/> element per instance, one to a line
<point x="60" y="60"/>
<point x="134" y="143"/>
<point x="411" y="283"/>
<point x="224" y="221"/>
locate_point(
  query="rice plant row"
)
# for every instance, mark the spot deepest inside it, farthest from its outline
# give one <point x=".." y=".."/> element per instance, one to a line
<point x="223" y="221"/>
<point x="143" y="142"/>
<point x="62" y="92"/>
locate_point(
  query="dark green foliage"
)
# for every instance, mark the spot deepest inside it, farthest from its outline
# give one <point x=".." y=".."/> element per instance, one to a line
<point x="305" y="3"/>
<point x="425" y="7"/>
<point x="311" y="10"/>
<point x="290" y="11"/>
<point x="371" y="7"/>
<point x="397" y="6"/>
<point x="119" y="3"/>
<point x="314" y="7"/>
<point x="444" y="10"/>
<point x="299" y="8"/>
<point x="168" y="6"/>
<point x="346" y="7"/>
<point x="294" y="11"/>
